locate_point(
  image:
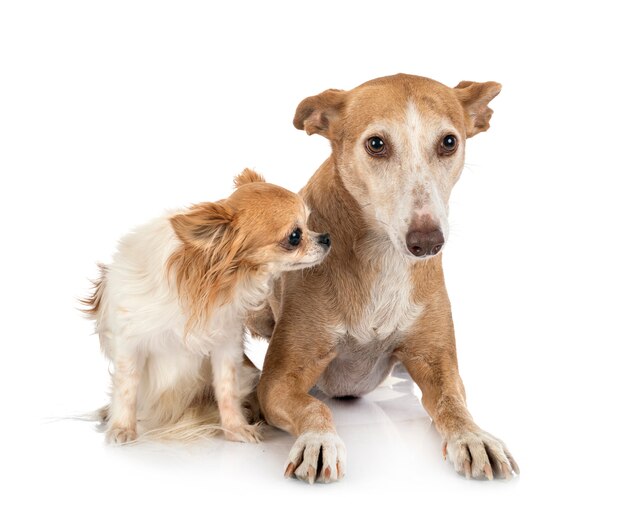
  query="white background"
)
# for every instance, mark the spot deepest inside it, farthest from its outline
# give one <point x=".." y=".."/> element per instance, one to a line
<point x="112" y="111"/>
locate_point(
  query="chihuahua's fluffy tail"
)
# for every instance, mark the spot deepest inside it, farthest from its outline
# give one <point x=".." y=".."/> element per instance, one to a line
<point x="93" y="301"/>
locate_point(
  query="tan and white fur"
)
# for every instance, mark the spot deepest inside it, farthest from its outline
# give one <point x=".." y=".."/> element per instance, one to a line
<point x="170" y="310"/>
<point x="379" y="298"/>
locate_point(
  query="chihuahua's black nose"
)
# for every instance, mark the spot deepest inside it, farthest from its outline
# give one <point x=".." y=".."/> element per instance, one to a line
<point x="324" y="239"/>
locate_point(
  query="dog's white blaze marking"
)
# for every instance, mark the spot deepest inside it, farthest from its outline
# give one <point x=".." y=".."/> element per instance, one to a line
<point x="420" y="138"/>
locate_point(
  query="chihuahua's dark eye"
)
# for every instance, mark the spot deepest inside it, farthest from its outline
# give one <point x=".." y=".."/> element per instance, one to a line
<point x="294" y="238"/>
<point x="448" y="145"/>
<point x="375" y="146"/>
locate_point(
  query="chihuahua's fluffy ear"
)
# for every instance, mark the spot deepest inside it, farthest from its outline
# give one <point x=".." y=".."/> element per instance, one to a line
<point x="474" y="96"/>
<point x="248" y="176"/>
<point x="203" y="223"/>
<point x="316" y="114"/>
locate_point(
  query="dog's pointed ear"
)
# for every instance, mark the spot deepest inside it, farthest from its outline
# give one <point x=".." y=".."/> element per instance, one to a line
<point x="203" y="223"/>
<point x="248" y="176"/>
<point x="316" y="114"/>
<point x="475" y="97"/>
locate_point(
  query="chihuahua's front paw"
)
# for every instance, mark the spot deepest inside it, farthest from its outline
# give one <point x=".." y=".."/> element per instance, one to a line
<point x="243" y="433"/>
<point x="304" y="457"/>
<point x="121" y="435"/>
<point x="477" y="454"/>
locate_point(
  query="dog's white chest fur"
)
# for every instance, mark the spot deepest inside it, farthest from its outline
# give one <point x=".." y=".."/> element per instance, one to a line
<point x="365" y="346"/>
<point x="391" y="308"/>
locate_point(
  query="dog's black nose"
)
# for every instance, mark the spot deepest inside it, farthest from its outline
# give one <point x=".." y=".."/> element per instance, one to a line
<point x="423" y="243"/>
<point x="324" y="239"/>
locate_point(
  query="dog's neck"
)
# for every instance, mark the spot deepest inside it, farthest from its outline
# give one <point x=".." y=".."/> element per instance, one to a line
<point x="333" y="208"/>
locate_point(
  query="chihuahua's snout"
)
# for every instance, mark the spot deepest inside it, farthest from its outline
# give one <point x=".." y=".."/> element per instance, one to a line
<point x="324" y="240"/>
<point x="425" y="242"/>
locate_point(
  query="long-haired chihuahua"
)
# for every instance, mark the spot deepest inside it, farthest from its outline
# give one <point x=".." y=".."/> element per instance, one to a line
<point x="170" y="310"/>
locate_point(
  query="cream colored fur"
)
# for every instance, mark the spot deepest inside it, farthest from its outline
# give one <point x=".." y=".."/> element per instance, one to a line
<point x="141" y="328"/>
<point x="173" y="379"/>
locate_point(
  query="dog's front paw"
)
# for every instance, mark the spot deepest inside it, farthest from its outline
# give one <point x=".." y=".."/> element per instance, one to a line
<point x="121" y="435"/>
<point x="304" y="457"/>
<point x="477" y="454"/>
<point x="243" y="433"/>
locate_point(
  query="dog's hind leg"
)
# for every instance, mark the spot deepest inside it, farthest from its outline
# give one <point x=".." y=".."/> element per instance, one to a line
<point x="249" y="381"/>
<point x="128" y="366"/>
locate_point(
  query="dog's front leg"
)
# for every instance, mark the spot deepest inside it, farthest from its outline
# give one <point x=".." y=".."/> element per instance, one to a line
<point x="292" y="366"/>
<point x="226" y="364"/>
<point x="429" y="354"/>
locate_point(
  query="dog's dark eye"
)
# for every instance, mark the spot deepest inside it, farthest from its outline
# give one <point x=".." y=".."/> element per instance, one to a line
<point x="375" y="146"/>
<point x="294" y="238"/>
<point x="448" y="144"/>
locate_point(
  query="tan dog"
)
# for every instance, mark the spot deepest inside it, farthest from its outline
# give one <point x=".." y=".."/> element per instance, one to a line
<point x="379" y="298"/>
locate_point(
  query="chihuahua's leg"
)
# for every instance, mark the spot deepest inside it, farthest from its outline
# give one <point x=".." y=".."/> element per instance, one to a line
<point x="122" y="413"/>
<point x="291" y="369"/>
<point x="226" y="363"/>
<point x="429" y="354"/>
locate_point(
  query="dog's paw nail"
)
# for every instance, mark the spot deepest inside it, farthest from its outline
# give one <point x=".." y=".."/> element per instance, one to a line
<point x="444" y="450"/>
<point x="467" y="467"/>
<point x="477" y="454"/>
<point x="317" y="451"/>
<point x="289" y="472"/>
